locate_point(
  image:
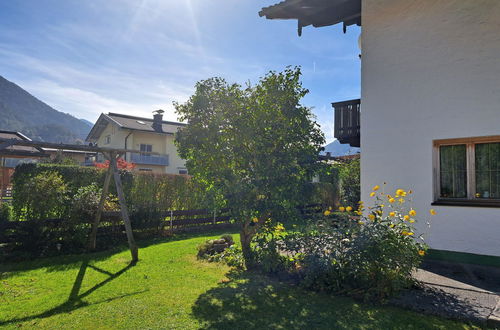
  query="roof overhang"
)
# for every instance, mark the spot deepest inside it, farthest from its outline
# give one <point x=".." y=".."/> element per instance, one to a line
<point x="316" y="12"/>
<point x="99" y="127"/>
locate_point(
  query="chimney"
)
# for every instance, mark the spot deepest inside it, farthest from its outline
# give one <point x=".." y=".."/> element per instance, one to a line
<point x="157" y="120"/>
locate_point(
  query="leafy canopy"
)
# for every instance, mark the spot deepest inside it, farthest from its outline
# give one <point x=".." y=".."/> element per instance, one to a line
<point x="257" y="145"/>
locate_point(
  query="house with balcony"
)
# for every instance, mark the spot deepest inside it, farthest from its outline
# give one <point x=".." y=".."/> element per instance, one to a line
<point x="114" y="130"/>
<point x="429" y="114"/>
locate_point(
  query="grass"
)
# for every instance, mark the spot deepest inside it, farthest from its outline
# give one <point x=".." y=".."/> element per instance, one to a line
<point x="170" y="288"/>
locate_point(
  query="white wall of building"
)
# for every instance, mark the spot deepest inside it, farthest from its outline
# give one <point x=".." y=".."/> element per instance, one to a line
<point x="430" y="70"/>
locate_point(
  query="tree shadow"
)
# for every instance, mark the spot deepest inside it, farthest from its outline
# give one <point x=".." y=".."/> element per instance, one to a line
<point x="75" y="298"/>
<point x="254" y="301"/>
<point x="483" y="277"/>
<point x="435" y="301"/>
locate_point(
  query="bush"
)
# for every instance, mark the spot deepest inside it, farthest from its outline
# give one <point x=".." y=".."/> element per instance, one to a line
<point x="85" y="203"/>
<point x="42" y="197"/>
<point x="6" y="212"/>
<point x="372" y="257"/>
<point x="349" y="181"/>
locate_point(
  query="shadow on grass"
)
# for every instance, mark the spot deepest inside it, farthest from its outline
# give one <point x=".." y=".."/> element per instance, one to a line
<point x="71" y="261"/>
<point x="254" y="301"/>
<point x="75" y="299"/>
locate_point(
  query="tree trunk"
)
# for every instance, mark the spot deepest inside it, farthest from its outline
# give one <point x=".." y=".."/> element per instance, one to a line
<point x="246" y="236"/>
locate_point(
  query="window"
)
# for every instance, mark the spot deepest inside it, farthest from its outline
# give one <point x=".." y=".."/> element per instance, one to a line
<point x="107" y="139"/>
<point x="183" y="171"/>
<point x="146" y="148"/>
<point x="468" y="171"/>
<point x="146" y="169"/>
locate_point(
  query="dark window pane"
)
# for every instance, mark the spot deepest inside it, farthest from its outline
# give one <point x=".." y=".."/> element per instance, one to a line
<point x="453" y="171"/>
<point x="488" y="170"/>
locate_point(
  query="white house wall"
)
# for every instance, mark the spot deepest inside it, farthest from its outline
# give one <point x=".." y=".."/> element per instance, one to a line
<point x="430" y="70"/>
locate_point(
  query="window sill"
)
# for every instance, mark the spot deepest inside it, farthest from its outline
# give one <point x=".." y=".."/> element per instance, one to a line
<point x="468" y="202"/>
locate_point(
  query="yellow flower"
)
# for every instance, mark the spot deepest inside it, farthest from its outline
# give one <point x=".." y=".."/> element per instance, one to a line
<point x="421" y="252"/>
<point x="279" y="227"/>
<point x="382" y="205"/>
<point x="358" y="212"/>
<point x="432" y="212"/>
<point x="360" y="222"/>
<point x="330" y="208"/>
<point x="341" y="209"/>
<point x="348" y="209"/>
<point x="376" y="188"/>
<point x="406" y="218"/>
<point x="255" y="220"/>
<point x="360" y="202"/>
<point x="392" y="214"/>
<point x="391" y="200"/>
<point x="400" y="192"/>
<point x="406" y="233"/>
<point x="379" y="212"/>
<point x="391" y="225"/>
<point x="327" y="213"/>
<point x="412" y="212"/>
<point x="372" y="194"/>
<point x="371" y="217"/>
<point x="412" y="221"/>
<point x="401" y="200"/>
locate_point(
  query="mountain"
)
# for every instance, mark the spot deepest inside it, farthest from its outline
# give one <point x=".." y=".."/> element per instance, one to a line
<point x="21" y="111"/>
<point x="338" y="149"/>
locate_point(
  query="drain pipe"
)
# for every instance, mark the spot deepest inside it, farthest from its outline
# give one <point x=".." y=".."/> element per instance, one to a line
<point x="126" y="138"/>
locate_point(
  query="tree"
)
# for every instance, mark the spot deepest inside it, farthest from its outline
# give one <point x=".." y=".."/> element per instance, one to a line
<point x="256" y="145"/>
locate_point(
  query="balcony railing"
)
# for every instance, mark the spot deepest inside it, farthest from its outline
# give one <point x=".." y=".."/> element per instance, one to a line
<point x="347" y="129"/>
<point x="149" y="159"/>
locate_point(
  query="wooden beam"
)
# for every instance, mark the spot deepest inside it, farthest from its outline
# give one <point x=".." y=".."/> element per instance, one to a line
<point x="97" y="219"/>
<point x="124" y="210"/>
<point x="77" y="147"/>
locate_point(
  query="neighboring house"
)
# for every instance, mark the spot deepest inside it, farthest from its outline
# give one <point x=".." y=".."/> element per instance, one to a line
<point x="114" y="130"/>
<point x="430" y="108"/>
<point x="12" y="155"/>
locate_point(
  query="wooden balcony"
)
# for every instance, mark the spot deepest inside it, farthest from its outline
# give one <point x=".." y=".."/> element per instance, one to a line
<point x="347" y="129"/>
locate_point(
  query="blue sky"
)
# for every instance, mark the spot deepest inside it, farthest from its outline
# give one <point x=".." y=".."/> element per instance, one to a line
<point x="135" y="56"/>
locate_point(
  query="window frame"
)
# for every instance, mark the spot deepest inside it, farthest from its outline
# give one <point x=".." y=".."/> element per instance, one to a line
<point x="470" y="147"/>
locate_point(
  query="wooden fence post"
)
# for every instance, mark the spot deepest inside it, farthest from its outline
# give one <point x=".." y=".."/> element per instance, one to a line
<point x="97" y="219"/>
<point x="171" y="220"/>
<point x="215" y="213"/>
<point x="124" y="210"/>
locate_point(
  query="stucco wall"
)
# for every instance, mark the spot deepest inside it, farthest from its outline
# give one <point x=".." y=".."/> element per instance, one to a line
<point x="430" y="70"/>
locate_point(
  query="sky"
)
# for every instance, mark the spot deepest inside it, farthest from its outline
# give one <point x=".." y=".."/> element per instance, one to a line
<point x="136" y="56"/>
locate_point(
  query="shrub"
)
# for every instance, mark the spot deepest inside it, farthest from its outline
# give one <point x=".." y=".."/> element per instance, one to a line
<point x="42" y="197"/>
<point x="371" y="257"/>
<point x="85" y="203"/>
<point x="349" y="181"/>
<point x="6" y="212"/>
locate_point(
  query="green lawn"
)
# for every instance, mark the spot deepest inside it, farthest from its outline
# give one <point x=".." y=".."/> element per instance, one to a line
<point x="169" y="288"/>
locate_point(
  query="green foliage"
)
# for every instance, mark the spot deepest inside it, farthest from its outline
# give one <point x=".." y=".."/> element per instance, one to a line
<point x="6" y="212"/>
<point x="256" y="146"/>
<point x="370" y="257"/>
<point x="349" y="181"/>
<point x="85" y="202"/>
<point x="40" y="197"/>
<point x="75" y="177"/>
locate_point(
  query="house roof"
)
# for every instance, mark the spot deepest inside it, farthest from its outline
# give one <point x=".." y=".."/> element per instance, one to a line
<point x="15" y="151"/>
<point x="316" y="12"/>
<point x="132" y="123"/>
